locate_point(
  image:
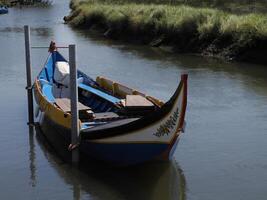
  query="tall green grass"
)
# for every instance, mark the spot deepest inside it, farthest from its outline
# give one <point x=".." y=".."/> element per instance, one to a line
<point x="33" y="2"/>
<point x="190" y="29"/>
<point x="4" y="2"/>
<point x="236" y="6"/>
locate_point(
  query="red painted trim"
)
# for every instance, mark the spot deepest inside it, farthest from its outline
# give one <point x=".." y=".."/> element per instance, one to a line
<point x="184" y="78"/>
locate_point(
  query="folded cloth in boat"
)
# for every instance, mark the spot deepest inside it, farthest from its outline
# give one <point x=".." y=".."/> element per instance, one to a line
<point x="62" y="73"/>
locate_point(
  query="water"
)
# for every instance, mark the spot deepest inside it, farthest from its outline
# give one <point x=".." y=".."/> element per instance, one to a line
<point x="222" y="155"/>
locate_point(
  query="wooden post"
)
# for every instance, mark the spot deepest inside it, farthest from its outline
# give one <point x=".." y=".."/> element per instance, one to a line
<point x="74" y="102"/>
<point x="28" y="72"/>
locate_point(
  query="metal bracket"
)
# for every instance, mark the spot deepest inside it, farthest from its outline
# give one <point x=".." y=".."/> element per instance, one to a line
<point x="32" y="124"/>
<point x="48" y="47"/>
<point x="29" y="87"/>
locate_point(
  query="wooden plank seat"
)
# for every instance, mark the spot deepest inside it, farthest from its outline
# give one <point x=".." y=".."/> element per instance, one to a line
<point x="138" y="105"/>
<point x="85" y="112"/>
<point x="64" y="104"/>
<point x="137" y="101"/>
<point x="106" y="116"/>
<point x="47" y="91"/>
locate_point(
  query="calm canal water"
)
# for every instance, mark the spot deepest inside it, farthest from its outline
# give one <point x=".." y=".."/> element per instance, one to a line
<point x="222" y="155"/>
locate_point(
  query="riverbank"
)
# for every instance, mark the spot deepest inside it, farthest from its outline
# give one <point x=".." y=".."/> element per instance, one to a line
<point x="37" y="3"/>
<point x="185" y="29"/>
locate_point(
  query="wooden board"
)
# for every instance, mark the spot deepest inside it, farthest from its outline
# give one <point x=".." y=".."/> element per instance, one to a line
<point x="106" y="115"/>
<point x="64" y="104"/>
<point x="133" y="101"/>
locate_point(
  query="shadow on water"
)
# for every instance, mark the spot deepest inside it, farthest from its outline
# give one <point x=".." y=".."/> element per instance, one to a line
<point x="32" y="157"/>
<point x="150" y="181"/>
<point x="164" y="53"/>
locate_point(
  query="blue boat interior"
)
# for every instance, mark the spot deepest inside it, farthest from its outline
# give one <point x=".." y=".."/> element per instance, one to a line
<point x="104" y="106"/>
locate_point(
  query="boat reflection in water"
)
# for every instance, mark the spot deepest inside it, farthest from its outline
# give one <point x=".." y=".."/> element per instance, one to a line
<point x="162" y="180"/>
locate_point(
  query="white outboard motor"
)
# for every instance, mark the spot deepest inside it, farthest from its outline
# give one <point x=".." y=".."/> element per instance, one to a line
<point x="61" y="80"/>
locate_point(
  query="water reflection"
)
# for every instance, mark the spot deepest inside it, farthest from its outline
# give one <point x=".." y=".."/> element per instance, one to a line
<point x="149" y="181"/>
<point x="39" y="31"/>
<point x="32" y="157"/>
<point x="11" y="29"/>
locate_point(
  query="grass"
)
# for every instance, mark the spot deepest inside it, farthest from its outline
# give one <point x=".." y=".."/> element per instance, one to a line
<point x="34" y="2"/>
<point x="201" y="30"/>
<point x="236" y="6"/>
<point x="4" y="2"/>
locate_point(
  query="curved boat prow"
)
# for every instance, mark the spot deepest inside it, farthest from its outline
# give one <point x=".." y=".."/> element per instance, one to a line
<point x="179" y="105"/>
<point x="179" y="101"/>
<point x="173" y="124"/>
<point x="152" y="137"/>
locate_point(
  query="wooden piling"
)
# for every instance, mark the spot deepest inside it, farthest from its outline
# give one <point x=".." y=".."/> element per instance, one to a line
<point x="74" y="102"/>
<point x="28" y="72"/>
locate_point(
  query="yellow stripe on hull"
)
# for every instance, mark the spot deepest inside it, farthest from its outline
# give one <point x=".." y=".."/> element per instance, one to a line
<point x="55" y="114"/>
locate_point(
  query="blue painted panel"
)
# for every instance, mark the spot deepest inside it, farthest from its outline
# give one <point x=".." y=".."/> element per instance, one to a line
<point x="99" y="93"/>
<point x="47" y="92"/>
<point x="49" y="69"/>
<point x="44" y="82"/>
<point x="43" y="75"/>
<point x="103" y="107"/>
<point x="91" y="100"/>
<point x="96" y="105"/>
<point x="123" y="154"/>
<point x="59" y="57"/>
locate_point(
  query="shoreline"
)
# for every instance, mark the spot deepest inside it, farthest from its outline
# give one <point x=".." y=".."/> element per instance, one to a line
<point x="206" y="32"/>
<point x="15" y="3"/>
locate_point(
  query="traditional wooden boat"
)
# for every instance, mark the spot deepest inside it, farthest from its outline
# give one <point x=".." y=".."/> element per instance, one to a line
<point x="118" y="124"/>
<point x="3" y="10"/>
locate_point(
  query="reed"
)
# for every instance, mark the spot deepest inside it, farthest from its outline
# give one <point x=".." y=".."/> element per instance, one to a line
<point x="190" y="29"/>
<point x="38" y="3"/>
<point x="4" y="2"/>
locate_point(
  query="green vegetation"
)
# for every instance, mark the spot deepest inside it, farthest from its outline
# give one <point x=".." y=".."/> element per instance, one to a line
<point x="4" y="2"/>
<point x="35" y="2"/>
<point x="25" y="2"/>
<point x="236" y="6"/>
<point x="187" y="29"/>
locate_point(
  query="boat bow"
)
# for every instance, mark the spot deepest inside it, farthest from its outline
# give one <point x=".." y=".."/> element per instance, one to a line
<point x="161" y="126"/>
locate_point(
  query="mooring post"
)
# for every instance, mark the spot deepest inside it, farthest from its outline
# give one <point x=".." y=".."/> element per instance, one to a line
<point x="74" y="102"/>
<point x="28" y="72"/>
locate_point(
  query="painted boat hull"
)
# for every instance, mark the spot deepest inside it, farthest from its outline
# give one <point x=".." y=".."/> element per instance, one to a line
<point x="133" y="140"/>
<point x="122" y="154"/>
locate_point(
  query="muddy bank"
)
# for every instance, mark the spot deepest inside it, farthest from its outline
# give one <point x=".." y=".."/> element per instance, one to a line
<point x="208" y="32"/>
